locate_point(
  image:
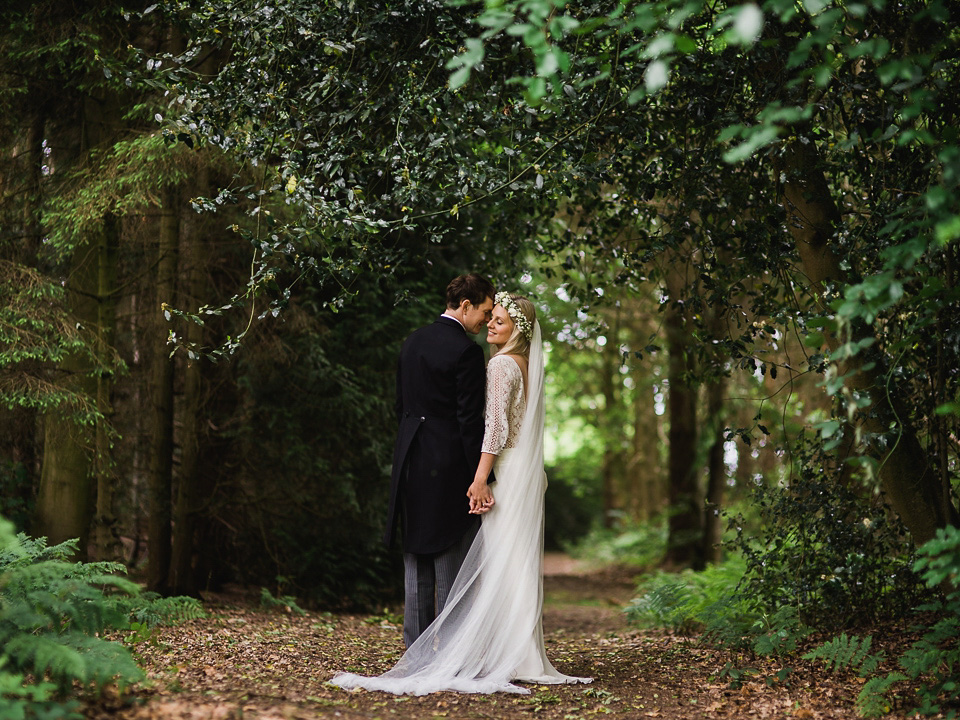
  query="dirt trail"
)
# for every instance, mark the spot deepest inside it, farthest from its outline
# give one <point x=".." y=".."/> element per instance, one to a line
<point x="244" y="662"/>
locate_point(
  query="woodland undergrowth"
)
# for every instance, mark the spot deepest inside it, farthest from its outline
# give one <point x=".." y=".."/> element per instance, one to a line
<point x="53" y="615"/>
<point x="825" y="580"/>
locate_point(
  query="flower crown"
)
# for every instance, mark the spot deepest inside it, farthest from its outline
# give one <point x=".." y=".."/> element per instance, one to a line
<point x="516" y="314"/>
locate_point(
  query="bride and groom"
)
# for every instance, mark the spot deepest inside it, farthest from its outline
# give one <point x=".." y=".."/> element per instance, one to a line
<point x="473" y="590"/>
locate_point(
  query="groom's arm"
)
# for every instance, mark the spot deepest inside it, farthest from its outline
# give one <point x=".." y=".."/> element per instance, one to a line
<point x="471" y="386"/>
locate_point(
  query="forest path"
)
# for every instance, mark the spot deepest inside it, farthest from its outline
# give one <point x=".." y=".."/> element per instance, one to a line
<point x="246" y="662"/>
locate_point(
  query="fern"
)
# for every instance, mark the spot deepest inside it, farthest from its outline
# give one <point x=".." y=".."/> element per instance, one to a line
<point x="283" y="602"/>
<point x="843" y="653"/>
<point x="729" y="623"/>
<point x="51" y="615"/>
<point x="661" y="606"/>
<point x="934" y="659"/>
<point x="21" y="699"/>
<point x="688" y="600"/>
<point x="872" y="701"/>
<point x="151" y="609"/>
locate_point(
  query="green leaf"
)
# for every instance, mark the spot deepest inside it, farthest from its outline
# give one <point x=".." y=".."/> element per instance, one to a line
<point x="950" y="408"/>
<point x="747" y="24"/>
<point x="656" y="76"/>
<point x="948" y="231"/>
<point x="756" y="138"/>
<point x="459" y="77"/>
<point x="828" y="428"/>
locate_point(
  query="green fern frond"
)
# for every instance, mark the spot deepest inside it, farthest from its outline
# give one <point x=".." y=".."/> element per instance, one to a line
<point x="728" y="623"/>
<point x="46" y="655"/>
<point x="918" y="659"/>
<point x="152" y="609"/>
<point x="661" y="605"/>
<point x="51" y="613"/>
<point x="843" y="653"/>
<point x="284" y="602"/>
<point x="779" y="633"/>
<point x="872" y="701"/>
<point x="20" y="698"/>
<point x="106" y="662"/>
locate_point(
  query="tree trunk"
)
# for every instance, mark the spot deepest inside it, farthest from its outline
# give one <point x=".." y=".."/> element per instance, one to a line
<point x="637" y="474"/>
<point x="161" y="461"/>
<point x="183" y="577"/>
<point x="106" y="533"/>
<point x="20" y="432"/>
<point x="65" y="497"/>
<point x="910" y="483"/>
<point x="716" y="472"/>
<point x="684" y="541"/>
<point x="611" y="425"/>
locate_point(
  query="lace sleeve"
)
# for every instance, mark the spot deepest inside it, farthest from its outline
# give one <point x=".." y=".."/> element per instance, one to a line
<point x="503" y="377"/>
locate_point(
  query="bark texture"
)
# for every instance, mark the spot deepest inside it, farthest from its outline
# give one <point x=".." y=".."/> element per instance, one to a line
<point x="684" y="540"/>
<point x="161" y="460"/>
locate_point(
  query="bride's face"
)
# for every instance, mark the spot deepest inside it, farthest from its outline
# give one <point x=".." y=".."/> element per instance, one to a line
<point x="500" y="327"/>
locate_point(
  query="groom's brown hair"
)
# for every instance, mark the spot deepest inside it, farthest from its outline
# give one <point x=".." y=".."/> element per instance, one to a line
<point x="472" y="287"/>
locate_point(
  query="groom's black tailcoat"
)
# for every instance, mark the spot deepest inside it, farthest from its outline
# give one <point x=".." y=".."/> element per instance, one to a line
<point x="441" y="381"/>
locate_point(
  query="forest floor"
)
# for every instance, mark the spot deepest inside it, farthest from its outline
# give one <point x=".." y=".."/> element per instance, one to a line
<point x="247" y="662"/>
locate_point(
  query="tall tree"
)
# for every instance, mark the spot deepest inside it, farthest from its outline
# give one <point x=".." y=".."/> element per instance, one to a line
<point x="161" y="466"/>
<point x="183" y="576"/>
<point x="685" y="522"/>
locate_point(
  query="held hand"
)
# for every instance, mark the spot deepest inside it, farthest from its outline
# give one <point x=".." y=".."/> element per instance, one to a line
<point x="481" y="499"/>
<point x="484" y="507"/>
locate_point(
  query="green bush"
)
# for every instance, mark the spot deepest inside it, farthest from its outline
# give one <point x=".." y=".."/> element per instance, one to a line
<point x="710" y="603"/>
<point x="51" y="613"/>
<point x="150" y="609"/>
<point x="933" y="660"/>
<point x="682" y="601"/>
<point x="835" y="556"/>
<point x="640" y="544"/>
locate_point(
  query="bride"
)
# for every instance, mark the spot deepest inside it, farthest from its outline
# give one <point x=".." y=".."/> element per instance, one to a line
<point x="490" y="633"/>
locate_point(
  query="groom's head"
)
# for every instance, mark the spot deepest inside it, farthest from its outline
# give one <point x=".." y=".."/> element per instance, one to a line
<point x="470" y="300"/>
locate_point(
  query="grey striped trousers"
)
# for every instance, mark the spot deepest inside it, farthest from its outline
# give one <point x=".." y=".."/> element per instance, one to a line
<point x="427" y="580"/>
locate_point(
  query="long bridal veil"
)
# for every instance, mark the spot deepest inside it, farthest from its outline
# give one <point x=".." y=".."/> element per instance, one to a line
<point x="489" y="632"/>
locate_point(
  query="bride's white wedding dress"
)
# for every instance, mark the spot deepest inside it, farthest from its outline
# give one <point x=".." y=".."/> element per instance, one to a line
<point x="490" y="634"/>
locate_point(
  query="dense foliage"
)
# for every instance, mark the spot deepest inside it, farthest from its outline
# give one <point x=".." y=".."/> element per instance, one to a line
<point x="823" y="549"/>
<point x="930" y="662"/>
<point x="762" y="190"/>
<point x="52" y="613"/>
<point x="807" y="167"/>
<point x="617" y="161"/>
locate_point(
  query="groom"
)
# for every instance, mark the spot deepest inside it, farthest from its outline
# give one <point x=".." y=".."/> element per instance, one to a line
<point x="441" y="381"/>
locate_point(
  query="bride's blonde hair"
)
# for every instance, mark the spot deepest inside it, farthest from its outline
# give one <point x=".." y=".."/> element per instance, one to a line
<point x="518" y="343"/>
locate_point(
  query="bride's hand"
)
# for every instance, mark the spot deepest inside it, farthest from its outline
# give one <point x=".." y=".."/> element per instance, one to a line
<point x="481" y="498"/>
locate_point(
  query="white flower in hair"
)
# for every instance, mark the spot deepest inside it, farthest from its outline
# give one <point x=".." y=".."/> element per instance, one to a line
<point x="516" y="314"/>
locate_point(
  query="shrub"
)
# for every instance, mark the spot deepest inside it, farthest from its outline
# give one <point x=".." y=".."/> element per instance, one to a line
<point x="933" y="660"/>
<point x="640" y="544"/>
<point x="834" y="555"/>
<point x="682" y="601"/>
<point x="51" y="613"/>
